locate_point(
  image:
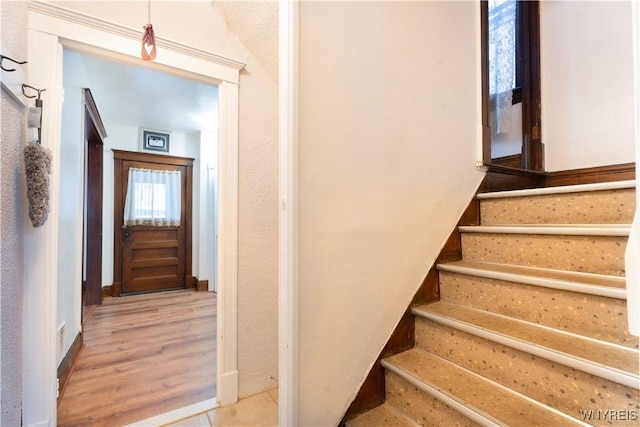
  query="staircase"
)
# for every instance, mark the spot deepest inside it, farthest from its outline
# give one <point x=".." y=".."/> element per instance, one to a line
<point x="531" y="327"/>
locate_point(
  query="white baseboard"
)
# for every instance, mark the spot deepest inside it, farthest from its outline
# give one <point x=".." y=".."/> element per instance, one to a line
<point x="178" y="414"/>
<point x="228" y="387"/>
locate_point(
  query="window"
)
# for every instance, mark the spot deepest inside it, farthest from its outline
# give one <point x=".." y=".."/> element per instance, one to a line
<point x="153" y="198"/>
<point x="502" y="61"/>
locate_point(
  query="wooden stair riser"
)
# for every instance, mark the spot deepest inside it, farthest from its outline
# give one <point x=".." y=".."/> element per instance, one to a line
<point x="589" y="254"/>
<point x="566" y="389"/>
<point x="421" y="407"/>
<point x="588" y="315"/>
<point x="591" y="207"/>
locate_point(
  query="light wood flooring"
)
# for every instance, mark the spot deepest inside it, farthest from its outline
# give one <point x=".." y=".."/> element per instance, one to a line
<point x="143" y="355"/>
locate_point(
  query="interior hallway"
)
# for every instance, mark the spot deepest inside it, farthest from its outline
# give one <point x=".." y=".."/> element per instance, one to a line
<point x="143" y="355"/>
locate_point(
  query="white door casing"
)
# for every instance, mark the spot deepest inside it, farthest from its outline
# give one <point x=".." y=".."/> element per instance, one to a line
<point x="288" y="216"/>
<point x="50" y="29"/>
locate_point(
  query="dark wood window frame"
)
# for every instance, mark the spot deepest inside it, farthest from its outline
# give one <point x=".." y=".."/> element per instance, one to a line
<point x="530" y="92"/>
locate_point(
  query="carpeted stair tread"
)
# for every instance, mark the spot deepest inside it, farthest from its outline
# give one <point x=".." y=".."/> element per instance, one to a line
<point x="610" y="203"/>
<point x="612" y="286"/>
<point x="564" y="189"/>
<point x="614" y="230"/>
<point x="478" y="398"/>
<point x="613" y="362"/>
<point x="381" y="416"/>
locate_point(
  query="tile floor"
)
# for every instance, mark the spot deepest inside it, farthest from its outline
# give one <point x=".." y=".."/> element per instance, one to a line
<point x="258" y="410"/>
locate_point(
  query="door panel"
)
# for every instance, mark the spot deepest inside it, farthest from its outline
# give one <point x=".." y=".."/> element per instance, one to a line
<point x="153" y="254"/>
<point x="147" y="258"/>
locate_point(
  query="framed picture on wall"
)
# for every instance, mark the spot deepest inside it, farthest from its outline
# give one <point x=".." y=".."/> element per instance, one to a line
<point x="155" y="141"/>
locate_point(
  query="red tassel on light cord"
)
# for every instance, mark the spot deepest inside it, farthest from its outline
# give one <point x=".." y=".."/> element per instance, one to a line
<point x="148" y="40"/>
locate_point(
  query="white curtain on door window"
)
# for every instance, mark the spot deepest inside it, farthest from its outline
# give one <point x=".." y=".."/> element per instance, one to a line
<point x="153" y="198"/>
<point x="502" y="66"/>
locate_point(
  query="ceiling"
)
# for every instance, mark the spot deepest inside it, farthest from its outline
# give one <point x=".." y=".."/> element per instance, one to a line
<point x="139" y="96"/>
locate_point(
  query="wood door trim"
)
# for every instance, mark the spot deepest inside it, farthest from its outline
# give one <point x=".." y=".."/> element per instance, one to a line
<point x="92" y="109"/>
<point x="532" y="147"/>
<point x="160" y="159"/>
<point x="94" y="133"/>
<point x="119" y="156"/>
<point x="484" y="73"/>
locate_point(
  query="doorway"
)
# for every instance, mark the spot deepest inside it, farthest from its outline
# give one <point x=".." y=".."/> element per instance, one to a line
<point x="510" y="38"/>
<point x="94" y="135"/>
<point x="152" y="247"/>
<point x="151" y="258"/>
<point x="50" y="32"/>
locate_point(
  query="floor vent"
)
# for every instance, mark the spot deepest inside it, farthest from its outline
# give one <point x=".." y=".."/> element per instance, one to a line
<point x="60" y="340"/>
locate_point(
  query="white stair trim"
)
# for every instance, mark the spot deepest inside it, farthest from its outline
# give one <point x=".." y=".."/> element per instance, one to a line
<point x="601" y="186"/>
<point x="503" y="388"/>
<point x="432" y="390"/>
<point x="553" y="355"/>
<point x="512" y="391"/>
<point x="621" y="230"/>
<point x="565" y="285"/>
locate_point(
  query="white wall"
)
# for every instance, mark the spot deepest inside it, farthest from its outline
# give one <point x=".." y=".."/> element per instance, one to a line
<point x="507" y="144"/>
<point x="212" y="27"/>
<point x="388" y="134"/>
<point x="587" y="81"/>
<point x="14" y="222"/>
<point x="70" y="209"/>
<point x="205" y="211"/>
<point x="632" y="253"/>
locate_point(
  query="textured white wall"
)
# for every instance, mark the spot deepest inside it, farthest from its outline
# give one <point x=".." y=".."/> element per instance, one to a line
<point x="389" y="113"/>
<point x="13" y="221"/>
<point x="587" y="81"/>
<point x="210" y="28"/>
<point x="70" y="208"/>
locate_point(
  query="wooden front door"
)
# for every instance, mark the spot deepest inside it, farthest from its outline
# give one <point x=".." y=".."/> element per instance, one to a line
<point x="148" y="258"/>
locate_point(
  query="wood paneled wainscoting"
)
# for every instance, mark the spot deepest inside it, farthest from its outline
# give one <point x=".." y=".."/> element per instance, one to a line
<point x="143" y="355"/>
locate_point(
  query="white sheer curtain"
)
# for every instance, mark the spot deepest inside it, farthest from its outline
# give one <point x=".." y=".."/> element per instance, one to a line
<point x="502" y="57"/>
<point x="153" y="198"/>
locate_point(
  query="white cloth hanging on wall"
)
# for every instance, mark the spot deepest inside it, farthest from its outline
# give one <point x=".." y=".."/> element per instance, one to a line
<point x="153" y="198"/>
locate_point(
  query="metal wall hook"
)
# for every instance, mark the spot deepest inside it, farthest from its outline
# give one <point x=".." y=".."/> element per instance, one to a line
<point x="25" y="86"/>
<point x="37" y="120"/>
<point x="3" y="57"/>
